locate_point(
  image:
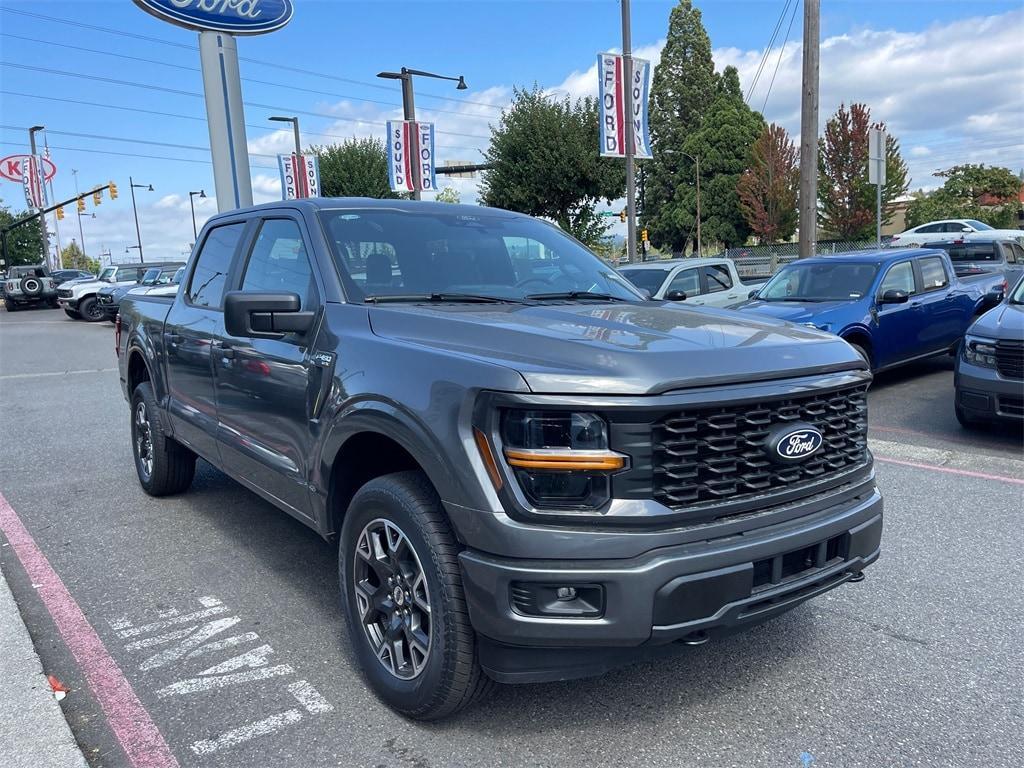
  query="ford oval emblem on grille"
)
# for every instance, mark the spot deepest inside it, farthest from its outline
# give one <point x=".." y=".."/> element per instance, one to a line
<point x="793" y="442"/>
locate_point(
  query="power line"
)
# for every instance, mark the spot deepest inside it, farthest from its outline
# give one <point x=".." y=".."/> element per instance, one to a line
<point x="196" y="118"/>
<point x="767" y="51"/>
<point x="131" y="154"/>
<point x="782" y="51"/>
<point x="288" y="86"/>
<point x="275" y="65"/>
<point x="194" y="94"/>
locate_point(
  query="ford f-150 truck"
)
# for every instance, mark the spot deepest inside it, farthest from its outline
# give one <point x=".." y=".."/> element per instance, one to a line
<point x="533" y="473"/>
<point x="893" y="306"/>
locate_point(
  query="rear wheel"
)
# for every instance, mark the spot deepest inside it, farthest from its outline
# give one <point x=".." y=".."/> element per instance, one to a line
<point x="164" y="465"/>
<point x="403" y="600"/>
<point x="90" y="310"/>
<point x="9" y="305"/>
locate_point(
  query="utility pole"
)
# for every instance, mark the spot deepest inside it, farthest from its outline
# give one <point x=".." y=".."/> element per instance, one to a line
<point x="809" y="131"/>
<point x="699" y="249"/>
<point x="81" y="234"/>
<point x="627" y="78"/>
<point x="135" y="210"/>
<point x="47" y="259"/>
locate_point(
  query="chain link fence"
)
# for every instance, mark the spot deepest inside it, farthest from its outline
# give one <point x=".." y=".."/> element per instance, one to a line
<point x="765" y="260"/>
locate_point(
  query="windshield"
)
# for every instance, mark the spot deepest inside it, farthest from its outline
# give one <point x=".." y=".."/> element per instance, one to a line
<point x="107" y="274"/>
<point x="151" y="276"/>
<point x="819" y="282"/>
<point x="487" y="254"/>
<point x="1017" y="297"/>
<point x="648" y="279"/>
<point x="180" y="273"/>
<point x="981" y="226"/>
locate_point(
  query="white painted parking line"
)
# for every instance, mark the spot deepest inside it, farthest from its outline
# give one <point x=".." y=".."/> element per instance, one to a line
<point x="237" y="736"/>
<point x="309" y="697"/>
<point x="44" y="374"/>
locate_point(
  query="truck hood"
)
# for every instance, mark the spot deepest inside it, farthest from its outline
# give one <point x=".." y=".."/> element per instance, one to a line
<point x="817" y="312"/>
<point x="1003" y="322"/>
<point x="641" y="348"/>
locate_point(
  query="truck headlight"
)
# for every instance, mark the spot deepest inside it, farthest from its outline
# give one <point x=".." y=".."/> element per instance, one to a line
<point x="980" y="351"/>
<point x="560" y="458"/>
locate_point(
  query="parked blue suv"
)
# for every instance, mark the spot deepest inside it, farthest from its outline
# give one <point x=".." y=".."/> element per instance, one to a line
<point x="893" y="306"/>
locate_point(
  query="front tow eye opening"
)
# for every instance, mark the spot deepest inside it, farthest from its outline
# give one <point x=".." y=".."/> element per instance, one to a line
<point x="695" y="638"/>
<point x="856" y="576"/>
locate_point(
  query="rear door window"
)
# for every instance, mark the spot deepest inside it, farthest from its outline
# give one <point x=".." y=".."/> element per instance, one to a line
<point x="210" y="274"/>
<point x="933" y="274"/>
<point x="718" y="278"/>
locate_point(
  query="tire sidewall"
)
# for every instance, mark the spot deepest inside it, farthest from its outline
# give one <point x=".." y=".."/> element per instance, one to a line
<point x="84" y="308"/>
<point x="143" y="394"/>
<point x="407" y="696"/>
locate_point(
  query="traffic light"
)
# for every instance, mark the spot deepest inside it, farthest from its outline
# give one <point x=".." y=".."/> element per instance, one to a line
<point x="81" y="205"/>
<point x="113" y="190"/>
<point x="97" y="198"/>
<point x="643" y="234"/>
<point x="60" y="214"/>
<point x="622" y="215"/>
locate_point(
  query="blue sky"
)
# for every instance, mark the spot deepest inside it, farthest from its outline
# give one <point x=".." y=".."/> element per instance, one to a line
<point x="945" y="74"/>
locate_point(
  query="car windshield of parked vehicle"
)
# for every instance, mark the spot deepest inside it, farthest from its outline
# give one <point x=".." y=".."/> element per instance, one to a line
<point x="819" y="282"/>
<point x="648" y="278"/>
<point x="981" y="226"/>
<point x="393" y="255"/>
<point x="1017" y="296"/>
<point x="107" y="274"/>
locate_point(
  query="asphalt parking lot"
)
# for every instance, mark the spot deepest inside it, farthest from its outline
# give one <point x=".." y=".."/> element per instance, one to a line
<point x="919" y="665"/>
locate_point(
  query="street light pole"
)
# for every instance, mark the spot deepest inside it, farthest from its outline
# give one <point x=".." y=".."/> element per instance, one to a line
<point x="809" y="131"/>
<point x="81" y="234"/>
<point x="192" y="205"/>
<point x="627" y="77"/>
<point x="135" y="210"/>
<point x="409" y="108"/>
<point x="42" y="219"/>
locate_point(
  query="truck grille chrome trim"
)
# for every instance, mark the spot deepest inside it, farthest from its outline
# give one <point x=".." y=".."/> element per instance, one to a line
<point x="711" y="455"/>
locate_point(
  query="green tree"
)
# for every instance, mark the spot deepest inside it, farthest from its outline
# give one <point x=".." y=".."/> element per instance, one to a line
<point x="986" y="193"/>
<point x="683" y="88"/>
<point x="768" y="189"/>
<point x="354" y="168"/>
<point x="449" y="195"/>
<point x="72" y="257"/>
<point x="546" y="163"/>
<point x="846" y="200"/>
<point x="723" y="144"/>
<point x="24" y="244"/>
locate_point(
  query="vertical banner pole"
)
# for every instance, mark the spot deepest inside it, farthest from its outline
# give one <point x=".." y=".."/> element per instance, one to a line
<point x="630" y="143"/>
<point x="222" y="87"/>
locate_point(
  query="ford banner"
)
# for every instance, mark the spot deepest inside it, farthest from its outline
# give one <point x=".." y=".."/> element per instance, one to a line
<point x="425" y="156"/>
<point x="300" y="176"/>
<point x="400" y="156"/>
<point x="613" y="114"/>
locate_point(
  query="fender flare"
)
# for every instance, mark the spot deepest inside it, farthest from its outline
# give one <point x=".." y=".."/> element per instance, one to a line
<point x="394" y="422"/>
<point x="141" y="346"/>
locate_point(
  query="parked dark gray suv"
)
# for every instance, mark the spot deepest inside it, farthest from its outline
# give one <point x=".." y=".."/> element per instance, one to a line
<point x="532" y="472"/>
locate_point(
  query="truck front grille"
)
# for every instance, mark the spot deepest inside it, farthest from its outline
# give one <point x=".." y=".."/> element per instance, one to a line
<point x="1010" y="359"/>
<point x="711" y="455"/>
<point x="64" y="293"/>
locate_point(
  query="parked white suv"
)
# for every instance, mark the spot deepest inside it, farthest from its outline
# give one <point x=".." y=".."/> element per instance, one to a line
<point x="952" y="229"/>
<point x="79" y="300"/>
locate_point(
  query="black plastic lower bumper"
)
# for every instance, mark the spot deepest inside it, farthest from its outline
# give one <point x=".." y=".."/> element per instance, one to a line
<point x="688" y="593"/>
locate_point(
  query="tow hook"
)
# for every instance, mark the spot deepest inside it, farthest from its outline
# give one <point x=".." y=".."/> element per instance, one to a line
<point x="855" y="577"/>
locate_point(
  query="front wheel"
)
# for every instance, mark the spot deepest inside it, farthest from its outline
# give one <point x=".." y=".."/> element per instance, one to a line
<point x="403" y="600"/>
<point x="9" y="305"/>
<point x="164" y="465"/>
<point x="90" y="310"/>
<point x="966" y="420"/>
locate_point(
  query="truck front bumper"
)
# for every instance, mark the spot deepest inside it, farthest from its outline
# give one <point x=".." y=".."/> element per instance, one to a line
<point x="985" y="394"/>
<point x="611" y="612"/>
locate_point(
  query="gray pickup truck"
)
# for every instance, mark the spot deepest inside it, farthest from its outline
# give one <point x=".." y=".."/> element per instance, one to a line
<point x="532" y="473"/>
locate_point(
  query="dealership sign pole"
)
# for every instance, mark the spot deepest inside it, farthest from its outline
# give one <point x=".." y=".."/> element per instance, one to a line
<point x="218" y="22"/>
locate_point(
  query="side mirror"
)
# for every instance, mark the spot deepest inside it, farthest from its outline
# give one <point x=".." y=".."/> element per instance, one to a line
<point x="895" y="296"/>
<point x="265" y="315"/>
<point x="675" y="296"/>
<point x="752" y="294"/>
<point x="966" y="229"/>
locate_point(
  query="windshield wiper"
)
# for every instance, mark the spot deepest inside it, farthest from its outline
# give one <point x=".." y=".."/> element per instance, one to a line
<point x="575" y="295"/>
<point x="469" y="298"/>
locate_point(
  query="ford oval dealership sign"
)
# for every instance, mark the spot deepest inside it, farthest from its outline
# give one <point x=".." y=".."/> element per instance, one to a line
<point x="237" y="17"/>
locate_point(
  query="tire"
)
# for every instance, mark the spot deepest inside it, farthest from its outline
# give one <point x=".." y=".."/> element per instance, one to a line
<point x="163" y="465"/>
<point x="405" y="507"/>
<point x="10" y="305"/>
<point x="90" y="310"/>
<point x="72" y="314"/>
